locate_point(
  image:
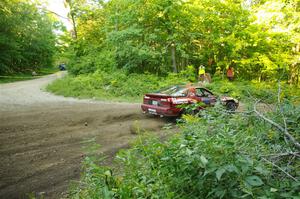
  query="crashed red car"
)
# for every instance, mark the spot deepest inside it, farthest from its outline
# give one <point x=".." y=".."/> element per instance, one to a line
<point x="167" y="101"/>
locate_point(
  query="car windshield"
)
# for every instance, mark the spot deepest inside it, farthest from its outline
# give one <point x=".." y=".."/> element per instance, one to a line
<point x="174" y="91"/>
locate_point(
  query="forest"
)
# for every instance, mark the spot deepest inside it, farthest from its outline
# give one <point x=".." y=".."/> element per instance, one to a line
<point x="118" y="50"/>
<point x="260" y="39"/>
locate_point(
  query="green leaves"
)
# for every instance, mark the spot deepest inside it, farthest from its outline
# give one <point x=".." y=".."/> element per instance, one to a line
<point x="27" y="40"/>
<point x="254" y="181"/>
<point x="226" y="169"/>
<point x="159" y="36"/>
<point x="203" y="161"/>
<point x="219" y="173"/>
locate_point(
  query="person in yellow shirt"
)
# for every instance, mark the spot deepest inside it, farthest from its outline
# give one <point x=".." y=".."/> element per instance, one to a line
<point x="201" y="73"/>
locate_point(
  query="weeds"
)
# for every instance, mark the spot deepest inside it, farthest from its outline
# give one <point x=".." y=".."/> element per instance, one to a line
<point x="216" y="155"/>
<point x="112" y="86"/>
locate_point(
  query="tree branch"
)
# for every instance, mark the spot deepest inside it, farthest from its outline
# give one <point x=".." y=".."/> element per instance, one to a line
<point x="50" y="11"/>
<point x="278" y="167"/>
<point x="282" y="154"/>
<point x="280" y="109"/>
<point x="283" y="130"/>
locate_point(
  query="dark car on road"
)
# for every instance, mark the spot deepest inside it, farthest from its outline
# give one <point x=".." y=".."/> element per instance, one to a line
<point x="169" y="101"/>
<point x="62" y="67"/>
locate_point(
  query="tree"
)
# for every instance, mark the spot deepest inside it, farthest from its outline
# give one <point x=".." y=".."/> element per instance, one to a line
<point x="27" y="41"/>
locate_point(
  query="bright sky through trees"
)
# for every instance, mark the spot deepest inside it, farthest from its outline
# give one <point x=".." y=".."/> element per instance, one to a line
<point x="58" y="7"/>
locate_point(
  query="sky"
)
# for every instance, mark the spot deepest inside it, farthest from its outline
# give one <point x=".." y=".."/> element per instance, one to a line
<point x="58" y="7"/>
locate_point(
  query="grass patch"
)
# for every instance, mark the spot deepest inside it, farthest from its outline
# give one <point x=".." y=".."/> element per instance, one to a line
<point x="15" y="78"/>
<point x="26" y="76"/>
<point x="111" y="86"/>
<point x="47" y="71"/>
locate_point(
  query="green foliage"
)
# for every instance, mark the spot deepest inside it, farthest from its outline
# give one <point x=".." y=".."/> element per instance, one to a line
<point x="92" y="62"/>
<point x="247" y="90"/>
<point x="119" y="85"/>
<point x="189" y="73"/>
<point x="218" y="155"/>
<point x="260" y="40"/>
<point x="26" y="37"/>
<point x="112" y="85"/>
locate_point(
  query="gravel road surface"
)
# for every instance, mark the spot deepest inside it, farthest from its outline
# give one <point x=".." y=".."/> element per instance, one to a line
<point x="43" y="136"/>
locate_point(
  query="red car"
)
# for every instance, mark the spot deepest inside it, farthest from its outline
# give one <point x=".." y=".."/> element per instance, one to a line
<point x="167" y="101"/>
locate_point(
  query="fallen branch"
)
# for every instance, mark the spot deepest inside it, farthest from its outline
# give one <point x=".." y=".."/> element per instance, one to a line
<point x="284" y="130"/>
<point x="282" y="154"/>
<point x="281" y="110"/>
<point x="278" y="167"/>
<point x="240" y="112"/>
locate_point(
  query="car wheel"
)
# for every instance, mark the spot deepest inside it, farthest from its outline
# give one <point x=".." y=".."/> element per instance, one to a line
<point x="231" y="106"/>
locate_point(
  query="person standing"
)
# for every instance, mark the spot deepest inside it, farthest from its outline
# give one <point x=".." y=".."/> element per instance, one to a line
<point x="201" y="73"/>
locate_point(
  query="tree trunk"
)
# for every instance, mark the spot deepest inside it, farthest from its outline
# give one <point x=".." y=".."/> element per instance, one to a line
<point x="173" y="57"/>
<point x="74" y="26"/>
<point x="295" y="69"/>
<point x="294" y="74"/>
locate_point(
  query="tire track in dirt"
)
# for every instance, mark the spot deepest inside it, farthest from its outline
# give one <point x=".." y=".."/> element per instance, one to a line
<point x="42" y="136"/>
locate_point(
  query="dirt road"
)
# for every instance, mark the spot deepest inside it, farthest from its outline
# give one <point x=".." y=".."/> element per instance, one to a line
<point x="42" y="136"/>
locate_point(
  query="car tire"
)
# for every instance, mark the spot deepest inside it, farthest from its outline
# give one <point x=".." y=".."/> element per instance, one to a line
<point x="231" y="106"/>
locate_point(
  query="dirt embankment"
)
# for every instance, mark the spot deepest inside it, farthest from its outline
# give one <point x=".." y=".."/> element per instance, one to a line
<point x="42" y="136"/>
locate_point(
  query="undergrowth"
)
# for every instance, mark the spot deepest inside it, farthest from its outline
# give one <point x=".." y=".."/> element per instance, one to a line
<point x="216" y="155"/>
<point x="242" y="89"/>
<point x="117" y="86"/>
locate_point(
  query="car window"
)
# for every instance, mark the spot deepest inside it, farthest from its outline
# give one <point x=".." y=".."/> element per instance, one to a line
<point x="206" y="93"/>
<point x="174" y="91"/>
<point x="201" y="92"/>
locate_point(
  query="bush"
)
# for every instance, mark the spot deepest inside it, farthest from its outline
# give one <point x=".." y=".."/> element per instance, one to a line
<point x="215" y="156"/>
<point x="115" y="85"/>
<point x="103" y="60"/>
<point x="122" y="86"/>
<point x="247" y="90"/>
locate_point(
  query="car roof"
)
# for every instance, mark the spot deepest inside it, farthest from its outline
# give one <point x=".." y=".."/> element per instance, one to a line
<point x="187" y="86"/>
